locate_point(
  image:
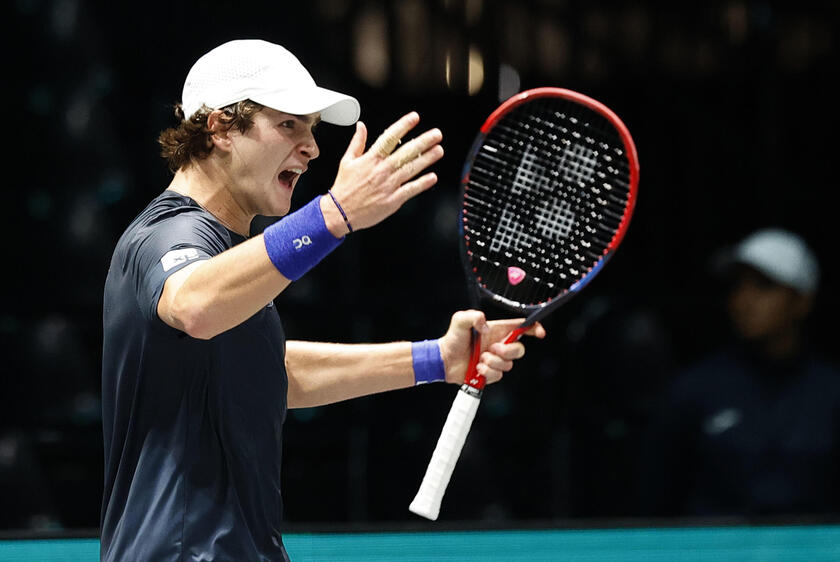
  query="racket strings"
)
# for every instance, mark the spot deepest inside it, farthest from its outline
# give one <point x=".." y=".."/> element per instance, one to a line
<point x="547" y="192"/>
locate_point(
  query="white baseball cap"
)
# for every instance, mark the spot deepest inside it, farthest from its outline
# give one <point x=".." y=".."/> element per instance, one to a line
<point x="267" y="74"/>
<point x="782" y="256"/>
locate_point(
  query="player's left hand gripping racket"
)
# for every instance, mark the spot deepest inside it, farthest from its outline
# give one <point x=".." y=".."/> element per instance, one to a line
<point x="549" y="187"/>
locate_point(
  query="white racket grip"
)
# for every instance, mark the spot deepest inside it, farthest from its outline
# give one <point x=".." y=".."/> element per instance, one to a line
<point x="427" y="501"/>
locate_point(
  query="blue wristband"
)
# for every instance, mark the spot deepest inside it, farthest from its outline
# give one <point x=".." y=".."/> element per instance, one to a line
<point x="297" y="242"/>
<point x="427" y="361"/>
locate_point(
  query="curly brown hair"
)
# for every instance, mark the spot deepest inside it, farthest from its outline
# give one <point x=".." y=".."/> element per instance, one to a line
<point x="191" y="138"/>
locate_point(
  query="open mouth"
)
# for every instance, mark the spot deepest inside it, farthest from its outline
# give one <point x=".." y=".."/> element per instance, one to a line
<point x="288" y="177"/>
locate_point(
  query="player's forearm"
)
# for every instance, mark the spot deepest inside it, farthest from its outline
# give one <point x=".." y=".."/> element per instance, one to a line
<point x="324" y="373"/>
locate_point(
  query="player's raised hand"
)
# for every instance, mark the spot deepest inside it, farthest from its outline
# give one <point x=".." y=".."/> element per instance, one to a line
<point x="371" y="185"/>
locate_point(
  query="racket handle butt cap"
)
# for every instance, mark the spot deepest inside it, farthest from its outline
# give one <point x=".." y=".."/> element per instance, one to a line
<point x="424" y="508"/>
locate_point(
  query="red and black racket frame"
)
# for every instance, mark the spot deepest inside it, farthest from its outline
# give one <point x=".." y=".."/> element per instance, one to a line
<point x="473" y="382"/>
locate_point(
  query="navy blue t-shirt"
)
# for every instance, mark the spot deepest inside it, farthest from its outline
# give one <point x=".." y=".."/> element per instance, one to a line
<point x="192" y="427"/>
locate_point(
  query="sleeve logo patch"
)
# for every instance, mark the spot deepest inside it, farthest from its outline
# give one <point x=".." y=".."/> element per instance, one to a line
<point x="175" y="257"/>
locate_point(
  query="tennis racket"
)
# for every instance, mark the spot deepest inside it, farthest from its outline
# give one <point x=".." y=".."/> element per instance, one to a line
<point x="549" y="187"/>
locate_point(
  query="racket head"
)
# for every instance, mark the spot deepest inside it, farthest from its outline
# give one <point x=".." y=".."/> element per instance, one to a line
<point x="548" y="190"/>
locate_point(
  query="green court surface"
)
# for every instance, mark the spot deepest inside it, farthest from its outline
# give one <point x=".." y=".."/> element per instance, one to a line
<point x="769" y="543"/>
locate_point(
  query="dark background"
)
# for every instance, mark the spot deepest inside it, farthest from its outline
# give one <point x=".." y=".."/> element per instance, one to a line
<point x="732" y="106"/>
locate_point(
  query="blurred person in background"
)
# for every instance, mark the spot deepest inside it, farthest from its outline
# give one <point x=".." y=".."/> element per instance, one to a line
<point x="752" y="429"/>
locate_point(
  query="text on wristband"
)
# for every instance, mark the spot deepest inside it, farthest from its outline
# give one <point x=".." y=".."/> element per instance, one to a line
<point x="301" y="242"/>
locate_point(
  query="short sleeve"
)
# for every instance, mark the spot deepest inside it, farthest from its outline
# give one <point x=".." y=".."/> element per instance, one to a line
<point x="160" y="249"/>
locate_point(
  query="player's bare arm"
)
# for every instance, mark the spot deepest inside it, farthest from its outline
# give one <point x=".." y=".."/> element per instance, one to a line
<point x="324" y="373"/>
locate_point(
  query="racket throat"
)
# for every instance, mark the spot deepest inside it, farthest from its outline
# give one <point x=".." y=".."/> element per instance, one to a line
<point x="472" y="378"/>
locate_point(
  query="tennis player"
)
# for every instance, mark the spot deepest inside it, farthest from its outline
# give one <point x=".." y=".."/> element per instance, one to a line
<point x="197" y="374"/>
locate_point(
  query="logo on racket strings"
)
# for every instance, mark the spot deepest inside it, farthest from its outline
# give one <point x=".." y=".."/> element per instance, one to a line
<point x="553" y="217"/>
